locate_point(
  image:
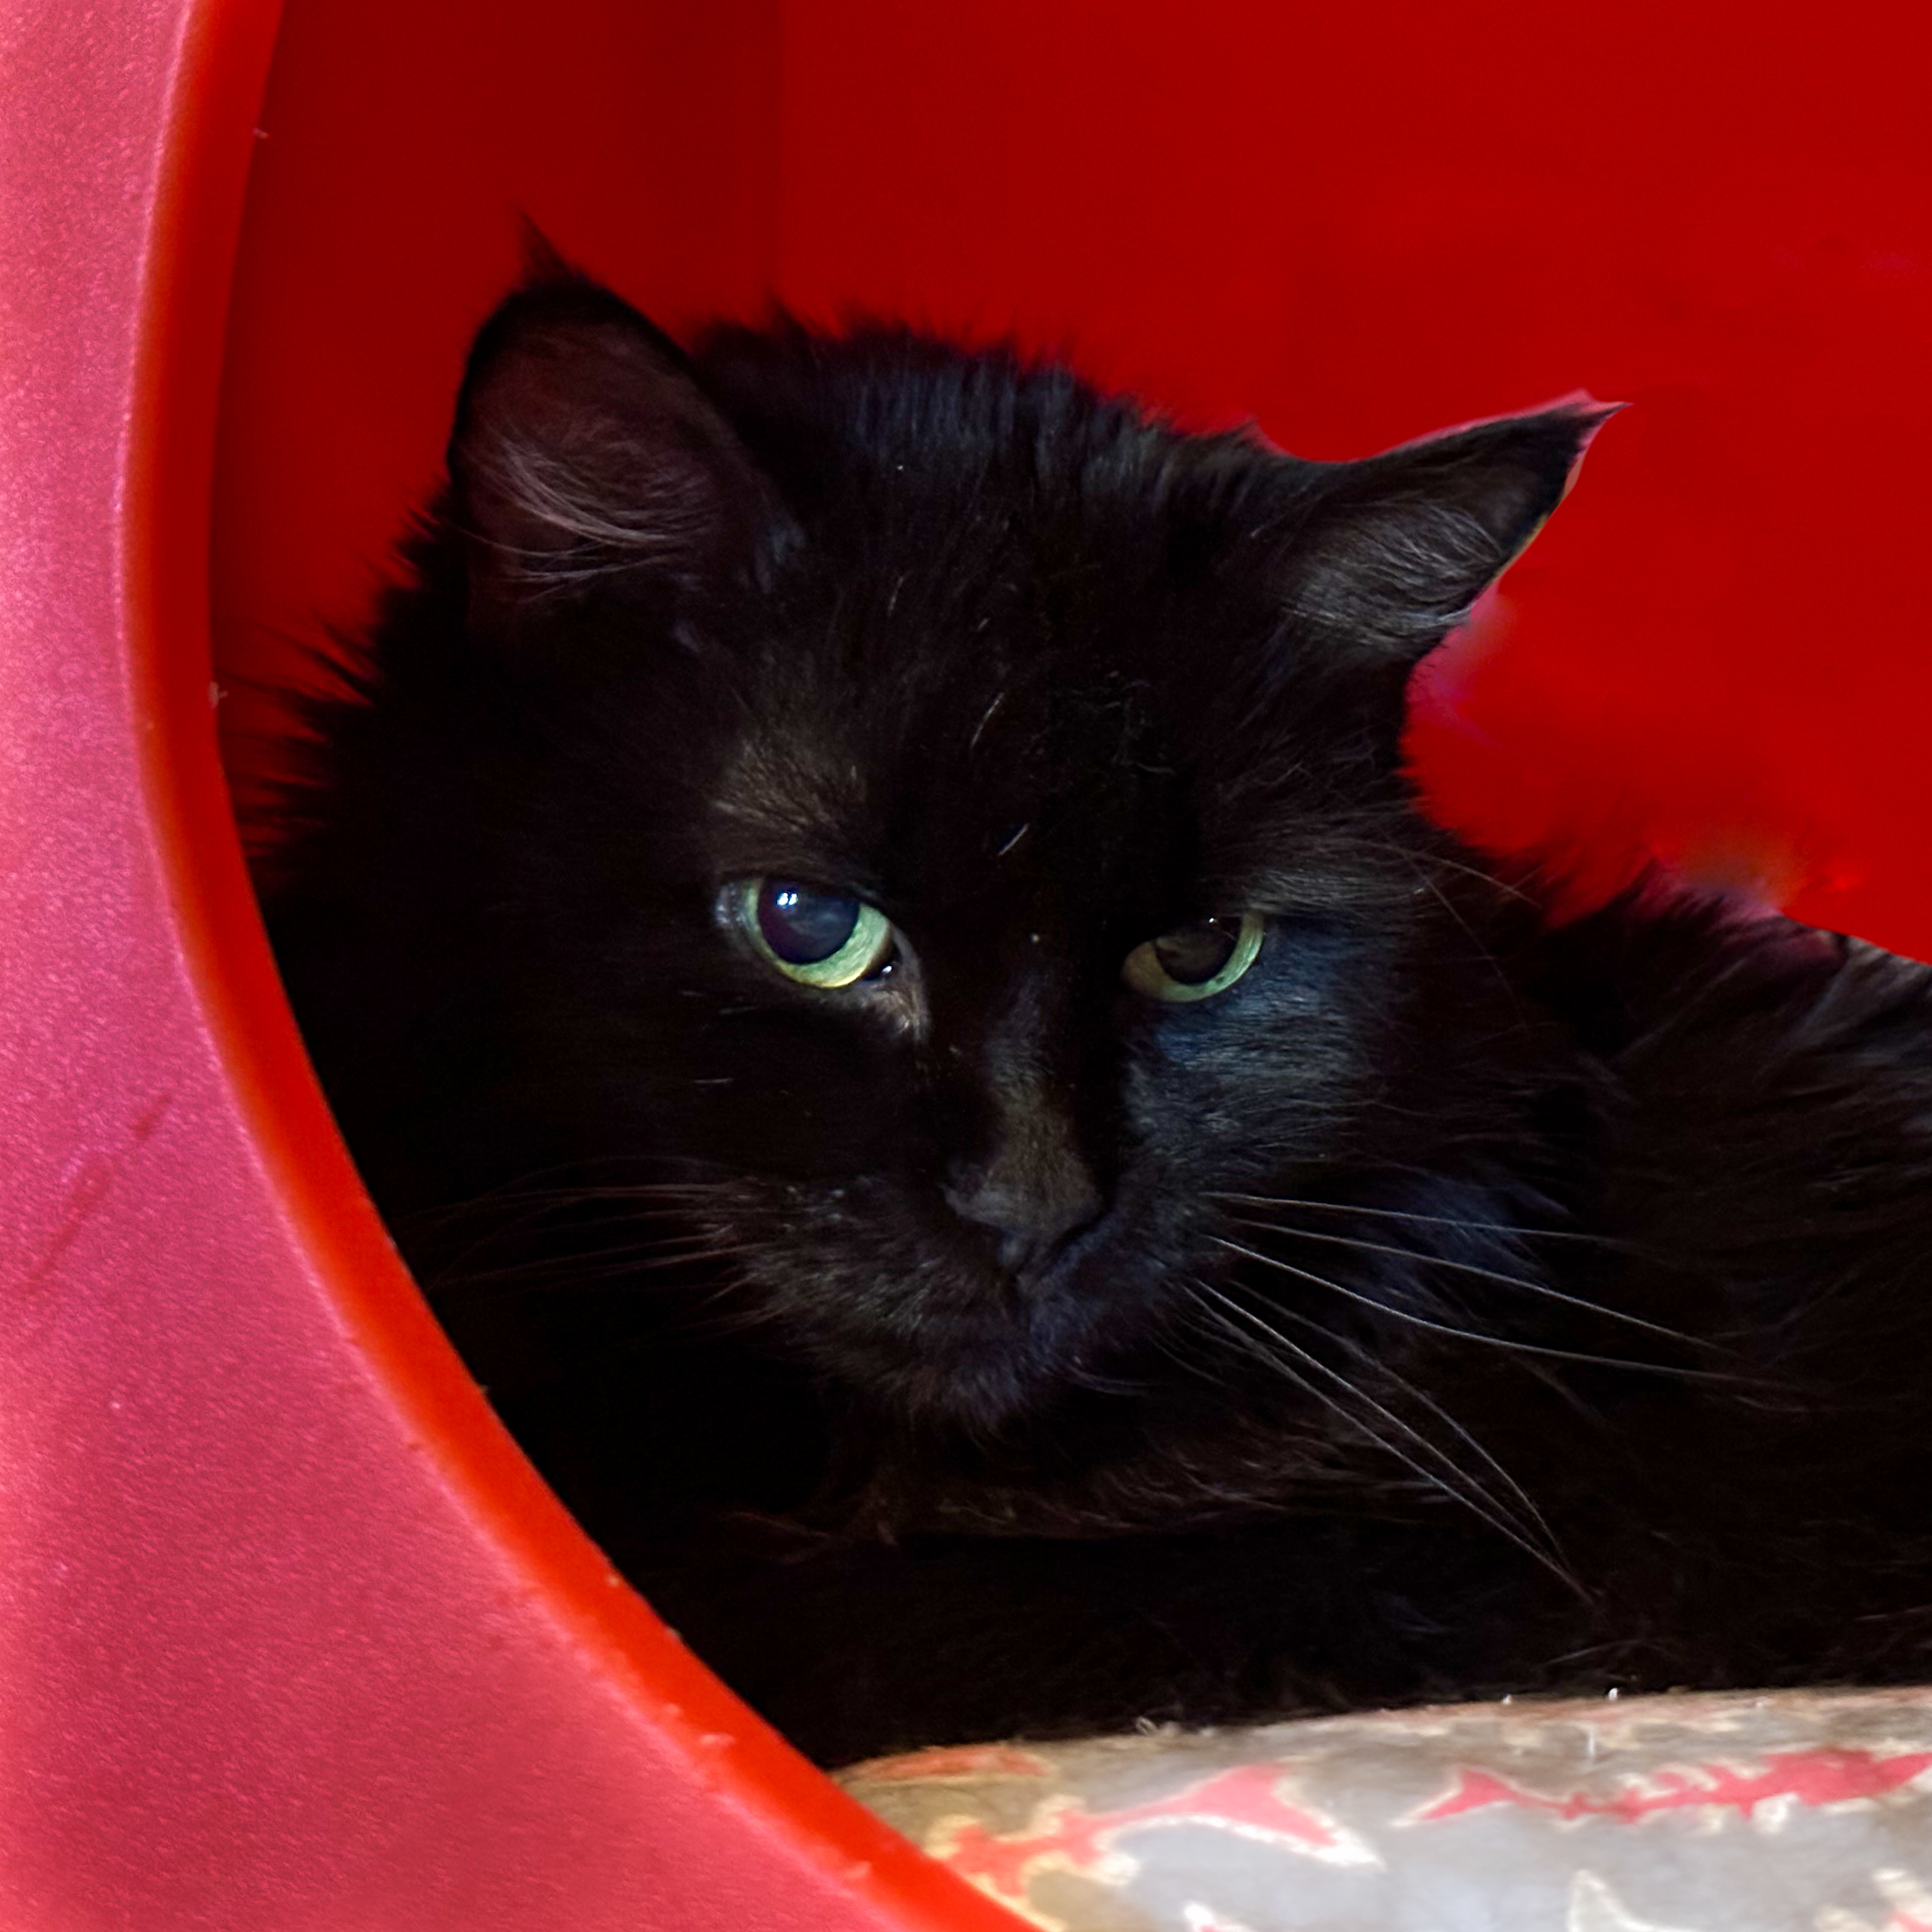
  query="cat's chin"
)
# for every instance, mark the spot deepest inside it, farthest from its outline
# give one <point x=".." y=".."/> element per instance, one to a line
<point x="971" y="1399"/>
<point x="978" y="1378"/>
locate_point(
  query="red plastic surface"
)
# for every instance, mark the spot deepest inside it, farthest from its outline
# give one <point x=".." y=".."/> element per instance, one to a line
<point x="290" y="1636"/>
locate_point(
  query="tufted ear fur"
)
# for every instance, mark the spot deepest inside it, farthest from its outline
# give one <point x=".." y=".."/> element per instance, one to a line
<point x="584" y="452"/>
<point x="1391" y="551"/>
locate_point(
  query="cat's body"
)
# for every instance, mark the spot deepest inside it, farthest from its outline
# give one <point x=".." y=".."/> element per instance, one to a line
<point x="1000" y="1340"/>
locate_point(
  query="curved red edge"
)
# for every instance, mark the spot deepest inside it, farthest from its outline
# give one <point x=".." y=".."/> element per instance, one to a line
<point x="804" y="1854"/>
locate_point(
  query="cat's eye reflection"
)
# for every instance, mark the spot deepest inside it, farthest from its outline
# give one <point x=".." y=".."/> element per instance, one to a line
<point x="1195" y="961"/>
<point x="828" y="939"/>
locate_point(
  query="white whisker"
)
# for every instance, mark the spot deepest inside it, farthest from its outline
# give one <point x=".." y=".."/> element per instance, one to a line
<point x="1523" y="1282"/>
<point x="1505" y="1341"/>
<point x="1463" y="1489"/>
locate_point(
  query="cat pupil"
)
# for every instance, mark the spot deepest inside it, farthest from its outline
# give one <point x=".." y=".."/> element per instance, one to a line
<point x="803" y="927"/>
<point x="1193" y="954"/>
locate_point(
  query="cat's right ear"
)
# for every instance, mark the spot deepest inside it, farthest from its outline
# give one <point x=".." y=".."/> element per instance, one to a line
<point x="585" y="454"/>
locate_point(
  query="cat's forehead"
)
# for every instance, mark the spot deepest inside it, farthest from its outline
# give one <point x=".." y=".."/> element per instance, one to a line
<point x="942" y="763"/>
<point x="1023" y="653"/>
<point x="939" y="761"/>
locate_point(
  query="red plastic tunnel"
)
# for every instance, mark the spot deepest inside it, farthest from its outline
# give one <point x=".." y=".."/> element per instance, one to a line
<point x="290" y="1636"/>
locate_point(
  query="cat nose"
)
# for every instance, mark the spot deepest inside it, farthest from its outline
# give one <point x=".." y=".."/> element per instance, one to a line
<point x="1032" y="1208"/>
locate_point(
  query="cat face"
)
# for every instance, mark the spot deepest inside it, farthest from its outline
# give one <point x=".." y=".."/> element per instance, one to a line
<point x="946" y="832"/>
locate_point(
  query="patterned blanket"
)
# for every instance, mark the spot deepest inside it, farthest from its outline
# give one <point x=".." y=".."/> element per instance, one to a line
<point x="1794" y="1812"/>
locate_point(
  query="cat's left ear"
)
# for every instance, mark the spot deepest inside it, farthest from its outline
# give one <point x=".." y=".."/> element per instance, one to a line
<point x="1390" y="553"/>
<point x="586" y="454"/>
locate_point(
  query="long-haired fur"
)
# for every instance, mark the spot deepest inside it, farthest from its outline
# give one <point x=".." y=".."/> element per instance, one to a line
<point x="1452" y="1305"/>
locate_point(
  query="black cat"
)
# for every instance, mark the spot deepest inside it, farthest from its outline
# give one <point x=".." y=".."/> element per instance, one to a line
<point x="862" y="919"/>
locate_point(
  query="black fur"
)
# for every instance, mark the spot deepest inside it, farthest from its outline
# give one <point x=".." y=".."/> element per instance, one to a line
<point x="1451" y="1306"/>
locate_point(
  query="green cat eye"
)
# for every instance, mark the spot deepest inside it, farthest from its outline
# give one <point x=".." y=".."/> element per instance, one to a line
<point x="1195" y="961"/>
<point x="827" y="940"/>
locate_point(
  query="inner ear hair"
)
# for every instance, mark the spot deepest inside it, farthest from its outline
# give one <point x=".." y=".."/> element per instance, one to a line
<point x="1391" y="552"/>
<point x="583" y="448"/>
